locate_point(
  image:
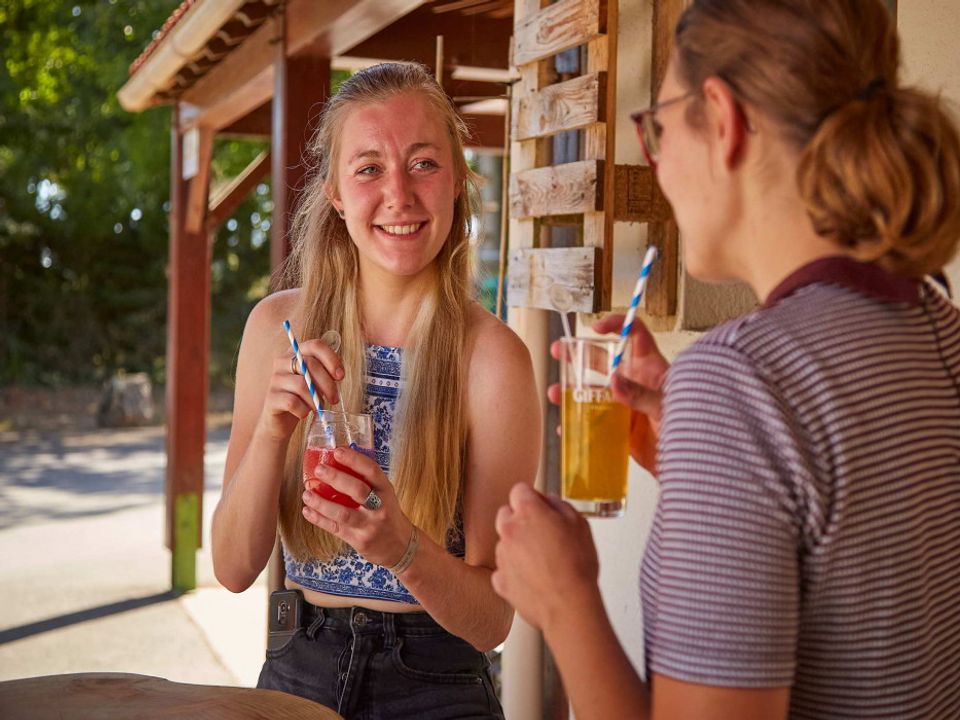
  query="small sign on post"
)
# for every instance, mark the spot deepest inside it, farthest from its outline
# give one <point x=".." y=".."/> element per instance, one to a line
<point x="191" y="153"/>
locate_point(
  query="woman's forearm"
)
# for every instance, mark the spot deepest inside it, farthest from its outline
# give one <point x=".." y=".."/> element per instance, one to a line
<point x="597" y="674"/>
<point x="244" y="527"/>
<point x="458" y="596"/>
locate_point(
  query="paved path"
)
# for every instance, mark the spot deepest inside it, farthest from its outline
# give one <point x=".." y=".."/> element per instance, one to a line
<point x="85" y="576"/>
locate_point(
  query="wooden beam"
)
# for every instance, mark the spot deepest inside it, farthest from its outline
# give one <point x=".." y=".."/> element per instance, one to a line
<point x="302" y="85"/>
<point x="600" y="143"/>
<point x="661" y="295"/>
<point x="489" y="7"/>
<point x="567" y="105"/>
<point x="556" y="28"/>
<point x="565" y="221"/>
<point x="534" y="271"/>
<point x="228" y="198"/>
<point x="486" y="131"/>
<point x="456" y="5"/>
<point x="239" y="84"/>
<point x="665" y="16"/>
<point x="459" y="89"/>
<point x="200" y="183"/>
<point x="254" y="124"/>
<point x="475" y="41"/>
<point x="557" y="190"/>
<point x="243" y="81"/>
<point x="336" y="26"/>
<point x="637" y="196"/>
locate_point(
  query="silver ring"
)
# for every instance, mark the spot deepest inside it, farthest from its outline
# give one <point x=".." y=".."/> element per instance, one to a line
<point x="293" y="365"/>
<point x="373" y="501"/>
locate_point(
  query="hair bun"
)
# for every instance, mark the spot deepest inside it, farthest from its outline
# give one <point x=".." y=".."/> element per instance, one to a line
<point x="883" y="179"/>
<point x="872" y="89"/>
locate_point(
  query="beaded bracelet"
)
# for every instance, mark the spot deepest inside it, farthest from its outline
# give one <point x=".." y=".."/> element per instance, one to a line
<point x="407" y="558"/>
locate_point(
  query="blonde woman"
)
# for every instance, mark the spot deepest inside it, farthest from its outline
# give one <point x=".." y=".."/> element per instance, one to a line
<point x="397" y="607"/>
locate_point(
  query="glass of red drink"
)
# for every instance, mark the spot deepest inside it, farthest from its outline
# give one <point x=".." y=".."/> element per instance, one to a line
<point x="329" y="431"/>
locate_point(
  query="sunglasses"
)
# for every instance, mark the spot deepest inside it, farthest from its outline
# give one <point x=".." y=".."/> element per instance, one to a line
<point x="649" y="130"/>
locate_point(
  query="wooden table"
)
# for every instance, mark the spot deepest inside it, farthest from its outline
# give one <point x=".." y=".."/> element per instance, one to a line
<point x="116" y="696"/>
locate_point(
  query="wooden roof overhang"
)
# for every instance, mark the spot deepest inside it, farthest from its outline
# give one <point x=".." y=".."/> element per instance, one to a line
<point x="217" y="59"/>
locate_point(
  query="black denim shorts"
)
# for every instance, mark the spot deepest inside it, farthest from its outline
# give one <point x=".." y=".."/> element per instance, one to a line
<point x="368" y="665"/>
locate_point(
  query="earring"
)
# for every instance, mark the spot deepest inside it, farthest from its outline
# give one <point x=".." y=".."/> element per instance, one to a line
<point x="342" y="214"/>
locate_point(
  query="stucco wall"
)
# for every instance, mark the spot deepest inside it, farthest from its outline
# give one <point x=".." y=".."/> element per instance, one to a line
<point x="929" y="32"/>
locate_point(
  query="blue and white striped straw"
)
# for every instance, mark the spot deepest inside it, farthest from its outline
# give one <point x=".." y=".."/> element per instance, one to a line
<point x="303" y="366"/>
<point x="634" y="302"/>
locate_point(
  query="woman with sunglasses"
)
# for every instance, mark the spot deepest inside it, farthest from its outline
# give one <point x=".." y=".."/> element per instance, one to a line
<point x="804" y="560"/>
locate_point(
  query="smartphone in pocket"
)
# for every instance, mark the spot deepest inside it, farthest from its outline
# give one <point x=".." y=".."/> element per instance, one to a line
<point x="286" y="610"/>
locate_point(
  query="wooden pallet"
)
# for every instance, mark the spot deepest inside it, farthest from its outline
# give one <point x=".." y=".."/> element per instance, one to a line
<point x="592" y="193"/>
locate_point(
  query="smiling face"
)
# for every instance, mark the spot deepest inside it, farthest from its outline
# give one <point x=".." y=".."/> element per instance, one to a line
<point x="396" y="184"/>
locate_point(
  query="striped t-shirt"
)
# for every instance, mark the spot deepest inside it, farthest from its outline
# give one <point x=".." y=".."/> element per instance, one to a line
<point x="808" y="529"/>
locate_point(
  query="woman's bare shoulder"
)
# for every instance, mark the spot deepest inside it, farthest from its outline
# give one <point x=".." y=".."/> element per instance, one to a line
<point x="264" y="328"/>
<point x="494" y="346"/>
<point x="501" y="379"/>
<point x="276" y="307"/>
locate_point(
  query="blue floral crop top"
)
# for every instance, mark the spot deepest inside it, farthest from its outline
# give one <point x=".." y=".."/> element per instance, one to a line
<point x="349" y="575"/>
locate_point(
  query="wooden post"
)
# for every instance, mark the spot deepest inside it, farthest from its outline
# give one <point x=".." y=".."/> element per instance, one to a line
<point x="188" y="343"/>
<point x="600" y="144"/>
<point x="301" y="84"/>
<point x="661" y="299"/>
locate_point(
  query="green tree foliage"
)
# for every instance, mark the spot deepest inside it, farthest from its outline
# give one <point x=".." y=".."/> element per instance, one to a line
<point x="84" y="189"/>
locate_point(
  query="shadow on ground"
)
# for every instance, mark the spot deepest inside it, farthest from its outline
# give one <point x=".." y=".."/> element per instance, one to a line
<point x="51" y="476"/>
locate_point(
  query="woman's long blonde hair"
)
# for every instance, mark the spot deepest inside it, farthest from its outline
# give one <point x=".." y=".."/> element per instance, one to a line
<point x="429" y="429"/>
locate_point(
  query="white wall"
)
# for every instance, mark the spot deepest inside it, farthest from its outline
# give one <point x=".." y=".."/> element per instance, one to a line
<point x="930" y="47"/>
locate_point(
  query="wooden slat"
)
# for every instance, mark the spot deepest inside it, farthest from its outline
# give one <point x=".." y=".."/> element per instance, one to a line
<point x="637" y="197"/>
<point x="558" y="190"/>
<point x="556" y="28"/>
<point x="534" y="271"/>
<point x="568" y="105"/>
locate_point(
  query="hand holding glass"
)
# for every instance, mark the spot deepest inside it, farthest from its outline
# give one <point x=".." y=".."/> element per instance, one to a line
<point x="332" y="430"/>
<point x="595" y="430"/>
